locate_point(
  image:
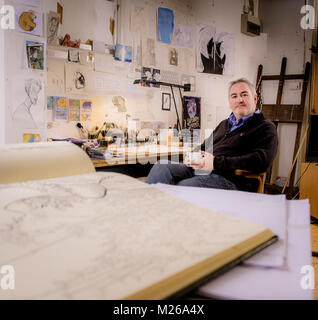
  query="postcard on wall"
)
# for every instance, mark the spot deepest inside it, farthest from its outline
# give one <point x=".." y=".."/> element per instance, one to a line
<point x="53" y="23"/>
<point x="74" y="107"/>
<point x="77" y="78"/>
<point x="32" y="3"/>
<point x="215" y="50"/>
<point x="123" y="53"/>
<point x="35" y="55"/>
<point x="173" y="56"/>
<point x="28" y="102"/>
<point x="191" y="113"/>
<point x="165" y="25"/>
<point x="60" y="108"/>
<point x="28" y="21"/>
<point x="50" y="103"/>
<point x="31" y="137"/>
<point x="183" y="36"/>
<point x="187" y="79"/>
<point x="86" y="110"/>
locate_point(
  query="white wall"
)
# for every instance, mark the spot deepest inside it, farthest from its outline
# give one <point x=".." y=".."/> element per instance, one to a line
<point x="2" y="103"/>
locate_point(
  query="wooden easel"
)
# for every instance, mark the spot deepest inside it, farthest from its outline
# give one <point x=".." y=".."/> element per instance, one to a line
<point x="284" y="113"/>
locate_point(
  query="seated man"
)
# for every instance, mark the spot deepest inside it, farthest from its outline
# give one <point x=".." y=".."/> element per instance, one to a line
<point x="246" y="140"/>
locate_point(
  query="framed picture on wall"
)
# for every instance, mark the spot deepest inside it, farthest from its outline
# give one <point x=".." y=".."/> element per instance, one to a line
<point x="166" y="101"/>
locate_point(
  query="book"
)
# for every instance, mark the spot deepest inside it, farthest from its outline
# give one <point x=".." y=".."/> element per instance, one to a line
<point x="105" y="235"/>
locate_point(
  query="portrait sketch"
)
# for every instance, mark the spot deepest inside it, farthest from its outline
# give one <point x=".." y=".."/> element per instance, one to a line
<point x="53" y="22"/>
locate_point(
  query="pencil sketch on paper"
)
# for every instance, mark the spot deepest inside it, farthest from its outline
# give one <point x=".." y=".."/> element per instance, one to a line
<point x="29" y="113"/>
<point x="215" y="50"/>
<point x="77" y="78"/>
<point x="55" y="76"/>
<point x="53" y="22"/>
<point x="148" y="52"/>
<point x="183" y="36"/>
<point x="80" y="227"/>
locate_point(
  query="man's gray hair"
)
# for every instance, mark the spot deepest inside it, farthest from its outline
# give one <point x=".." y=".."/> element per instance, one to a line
<point x="250" y="84"/>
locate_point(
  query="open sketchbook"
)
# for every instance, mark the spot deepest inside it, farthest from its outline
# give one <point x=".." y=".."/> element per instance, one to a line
<point x="108" y="236"/>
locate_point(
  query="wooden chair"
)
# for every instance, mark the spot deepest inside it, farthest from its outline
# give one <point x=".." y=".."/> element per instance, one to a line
<point x="260" y="177"/>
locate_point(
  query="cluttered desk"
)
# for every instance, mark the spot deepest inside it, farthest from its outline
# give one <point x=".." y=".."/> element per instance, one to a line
<point x="105" y="235"/>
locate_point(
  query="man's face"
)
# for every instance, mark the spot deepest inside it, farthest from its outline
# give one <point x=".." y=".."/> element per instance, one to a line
<point x="242" y="100"/>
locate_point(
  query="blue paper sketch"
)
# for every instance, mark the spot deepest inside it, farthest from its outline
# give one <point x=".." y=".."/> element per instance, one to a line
<point x="123" y="53"/>
<point x="165" y="25"/>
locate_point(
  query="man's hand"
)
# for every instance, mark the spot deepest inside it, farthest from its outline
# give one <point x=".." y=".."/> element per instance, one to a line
<point x="205" y="163"/>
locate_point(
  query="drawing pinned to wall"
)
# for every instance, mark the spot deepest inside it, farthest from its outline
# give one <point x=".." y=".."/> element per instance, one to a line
<point x="53" y="23"/>
<point x="137" y="19"/>
<point x="183" y="36"/>
<point x="77" y="78"/>
<point x="120" y="103"/>
<point x="55" y="77"/>
<point x="60" y="108"/>
<point x="28" y="103"/>
<point x="32" y="3"/>
<point x="165" y="25"/>
<point x="31" y="137"/>
<point x="191" y="113"/>
<point x="173" y="56"/>
<point x="166" y="101"/>
<point x="187" y="79"/>
<point x="86" y="110"/>
<point x="35" y="55"/>
<point x="74" y="107"/>
<point x="28" y="21"/>
<point x="215" y="50"/>
<point x="73" y="55"/>
<point x="148" y="52"/>
<point x="123" y="53"/>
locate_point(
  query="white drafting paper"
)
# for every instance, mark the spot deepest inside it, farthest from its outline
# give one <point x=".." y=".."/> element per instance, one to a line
<point x="148" y="52"/>
<point x="244" y="282"/>
<point x="104" y="63"/>
<point x="28" y="103"/>
<point x="28" y="21"/>
<point x="183" y="36"/>
<point x="55" y="77"/>
<point x="77" y="78"/>
<point x="137" y="19"/>
<point x="215" y="50"/>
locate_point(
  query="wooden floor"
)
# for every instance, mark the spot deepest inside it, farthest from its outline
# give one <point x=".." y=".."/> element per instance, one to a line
<point x="314" y="242"/>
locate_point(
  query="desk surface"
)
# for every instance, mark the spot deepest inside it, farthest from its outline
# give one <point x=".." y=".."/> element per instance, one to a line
<point x="142" y="154"/>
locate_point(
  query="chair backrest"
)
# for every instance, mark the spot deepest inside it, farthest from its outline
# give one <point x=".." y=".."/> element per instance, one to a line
<point x="260" y="177"/>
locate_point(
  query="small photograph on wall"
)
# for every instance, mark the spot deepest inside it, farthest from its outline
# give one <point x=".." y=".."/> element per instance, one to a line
<point x="146" y="74"/>
<point x="35" y="53"/>
<point x="28" y="21"/>
<point x="156" y="77"/>
<point x="215" y="50"/>
<point x="191" y="113"/>
<point x="166" y="101"/>
<point x="173" y="56"/>
<point x="123" y="53"/>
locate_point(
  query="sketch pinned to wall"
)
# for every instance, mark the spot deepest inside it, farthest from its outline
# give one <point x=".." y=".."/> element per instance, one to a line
<point x="187" y="79"/>
<point x="73" y="55"/>
<point x="173" y="56"/>
<point x="86" y="110"/>
<point x="191" y="113"/>
<point x="31" y="137"/>
<point x="148" y="52"/>
<point x="32" y="3"/>
<point x="35" y="55"/>
<point x="120" y="103"/>
<point x="215" y="50"/>
<point x="165" y="25"/>
<point x="53" y="23"/>
<point x="87" y="58"/>
<point x="104" y="63"/>
<point x="183" y="36"/>
<point x="74" y="107"/>
<point x="137" y="19"/>
<point x="123" y="53"/>
<point x="60" y="108"/>
<point x="28" y="21"/>
<point x="55" y="77"/>
<point x="77" y="78"/>
<point x="28" y="103"/>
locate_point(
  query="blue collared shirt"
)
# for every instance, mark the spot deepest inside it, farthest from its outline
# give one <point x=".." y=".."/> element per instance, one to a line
<point x="232" y="120"/>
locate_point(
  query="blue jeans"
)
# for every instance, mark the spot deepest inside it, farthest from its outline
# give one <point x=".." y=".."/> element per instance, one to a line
<point x="181" y="175"/>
